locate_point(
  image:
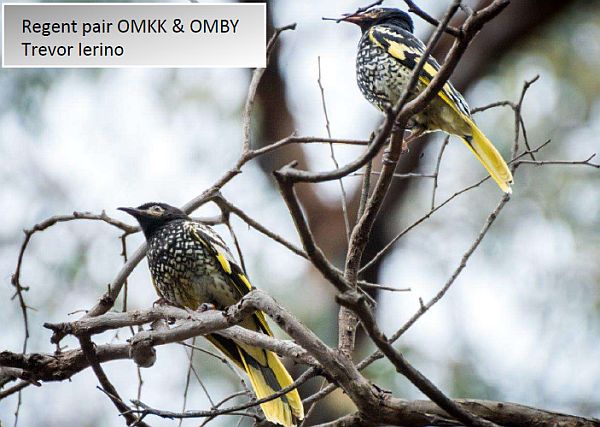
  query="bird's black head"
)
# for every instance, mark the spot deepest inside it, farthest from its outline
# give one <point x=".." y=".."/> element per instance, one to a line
<point x="153" y="216"/>
<point x="379" y="16"/>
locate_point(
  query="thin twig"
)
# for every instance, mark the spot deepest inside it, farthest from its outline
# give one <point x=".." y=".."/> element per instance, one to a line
<point x="335" y="162"/>
<point x="14" y="389"/>
<point x="518" y="118"/>
<point x="221" y="411"/>
<point x="140" y="380"/>
<point x="585" y="162"/>
<point x="90" y="353"/>
<point x="407" y="175"/>
<point x="401" y="112"/>
<point x="41" y="226"/>
<point x="227" y="363"/>
<point x="256" y="78"/>
<point x="187" y="378"/>
<point x="236" y="243"/>
<point x="384" y="287"/>
<point x="436" y="173"/>
<point x="356" y="12"/>
<point x="493" y="105"/>
<point x="412" y="7"/>
<point x="364" y="312"/>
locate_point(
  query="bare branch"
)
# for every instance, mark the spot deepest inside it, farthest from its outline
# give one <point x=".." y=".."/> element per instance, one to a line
<point x="359" y="237"/>
<point x="220" y="411"/>
<point x="315" y="254"/>
<point x="436" y="174"/>
<point x="357" y="304"/>
<point x="425" y="413"/>
<point x="90" y="353"/>
<point x="256" y="78"/>
<point x="357" y="11"/>
<point x="335" y="162"/>
<point x="585" y="162"/>
<point x="412" y="7"/>
<point x="193" y="324"/>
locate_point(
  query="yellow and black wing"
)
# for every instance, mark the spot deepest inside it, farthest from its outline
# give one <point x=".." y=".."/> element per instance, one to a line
<point x="266" y="372"/>
<point x="408" y="51"/>
<point x="217" y="247"/>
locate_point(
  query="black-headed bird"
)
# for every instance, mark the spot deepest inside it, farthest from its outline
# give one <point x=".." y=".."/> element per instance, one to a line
<point x="387" y="55"/>
<point x="190" y="265"/>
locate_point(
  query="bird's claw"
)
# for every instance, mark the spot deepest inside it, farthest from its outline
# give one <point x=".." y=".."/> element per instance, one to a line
<point x="160" y="301"/>
<point x="206" y="307"/>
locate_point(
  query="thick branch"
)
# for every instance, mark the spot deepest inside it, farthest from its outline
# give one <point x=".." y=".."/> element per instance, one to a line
<point x="422" y="413"/>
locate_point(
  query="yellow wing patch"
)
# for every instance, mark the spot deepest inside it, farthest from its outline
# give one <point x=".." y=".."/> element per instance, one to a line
<point x="444" y="93"/>
<point x="373" y="38"/>
<point x="224" y="263"/>
<point x="408" y="50"/>
<point x="259" y="314"/>
<point x="245" y="280"/>
<point x="398" y="50"/>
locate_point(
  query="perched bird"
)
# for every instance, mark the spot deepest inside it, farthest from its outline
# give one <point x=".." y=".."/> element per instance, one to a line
<point x="190" y="266"/>
<point x="387" y="54"/>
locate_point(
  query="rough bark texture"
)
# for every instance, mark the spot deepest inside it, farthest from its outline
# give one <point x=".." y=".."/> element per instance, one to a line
<point x="520" y="20"/>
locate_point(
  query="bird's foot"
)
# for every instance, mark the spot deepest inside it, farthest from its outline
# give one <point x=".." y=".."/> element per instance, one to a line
<point x="201" y="308"/>
<point x="206" y="307"/>
<point x="161" y="301"/>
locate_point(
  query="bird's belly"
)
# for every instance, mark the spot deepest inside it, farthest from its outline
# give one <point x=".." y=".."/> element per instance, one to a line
<point x="438" y="115"/>
<point x="379" y="79"/>
<point x="382" y="80"/>
<point x="383" y="90"/>
<point x="216" y="290"/>
<point x="190" y="278"/>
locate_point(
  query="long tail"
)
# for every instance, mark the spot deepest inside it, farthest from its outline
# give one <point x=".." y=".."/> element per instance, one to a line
<point x="489" y="157"/>
<point x="267" y="376"/>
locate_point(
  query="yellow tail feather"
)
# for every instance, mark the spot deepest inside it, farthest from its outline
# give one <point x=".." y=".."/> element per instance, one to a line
<point x="489" y="157"/>
<point x="285" y="411"/>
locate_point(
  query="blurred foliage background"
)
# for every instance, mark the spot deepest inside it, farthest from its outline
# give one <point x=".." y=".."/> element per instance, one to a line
<point x="521" y="324"/>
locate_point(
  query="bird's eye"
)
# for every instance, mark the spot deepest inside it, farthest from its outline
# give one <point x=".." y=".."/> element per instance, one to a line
<point x="156" y="210"/>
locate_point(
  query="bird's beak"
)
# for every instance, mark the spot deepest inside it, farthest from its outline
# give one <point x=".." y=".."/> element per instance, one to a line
<point x="359" y="18"/>
<point x="354" y="19"/>
<point x="135" y="212"/>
